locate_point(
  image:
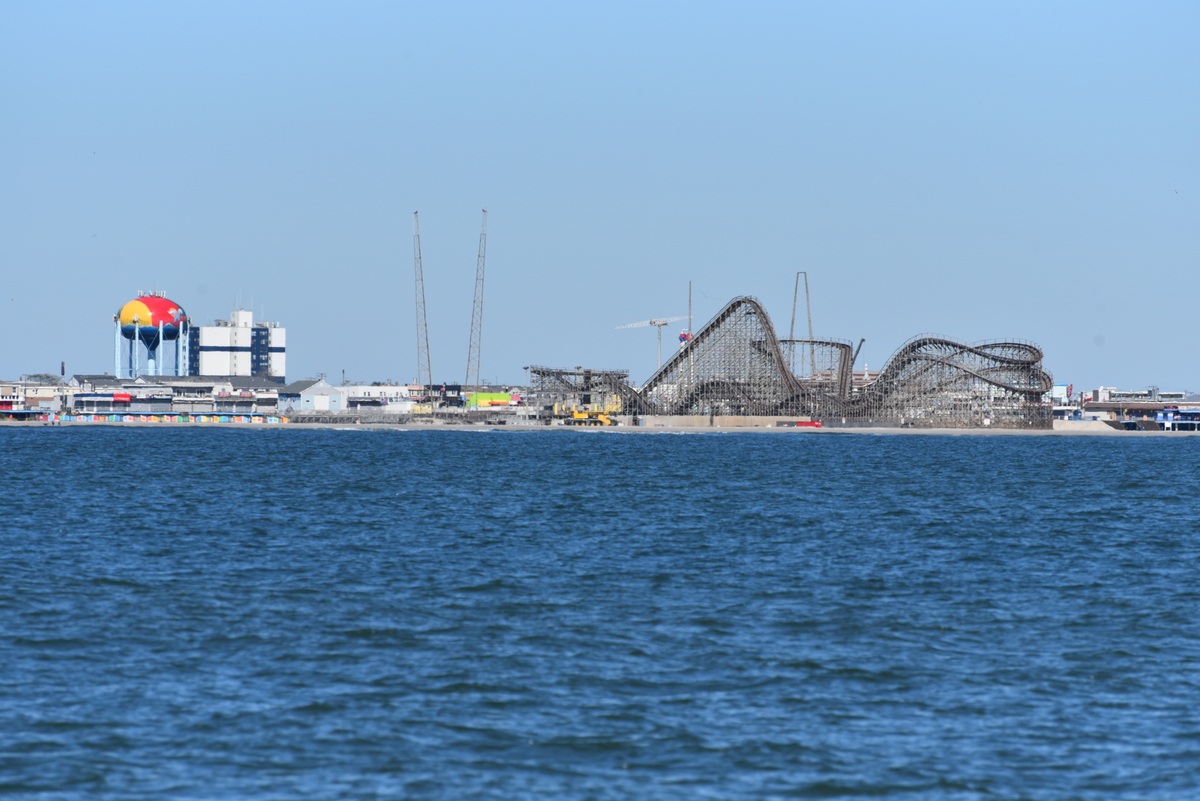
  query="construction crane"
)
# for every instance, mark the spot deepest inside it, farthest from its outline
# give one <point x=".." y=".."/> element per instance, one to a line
<point x="658" y="322"/>
<point x="477" y="311"/>
<point x="424" y="372"/>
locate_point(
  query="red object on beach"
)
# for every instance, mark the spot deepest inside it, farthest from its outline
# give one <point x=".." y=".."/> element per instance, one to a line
<point x="813" y="424"/>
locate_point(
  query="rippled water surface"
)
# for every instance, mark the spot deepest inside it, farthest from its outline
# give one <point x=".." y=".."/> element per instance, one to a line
<point x="582" y="615"/>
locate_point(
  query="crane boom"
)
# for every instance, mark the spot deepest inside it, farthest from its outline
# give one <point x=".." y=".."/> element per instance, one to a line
<point x="477" y="311"/>
<point x="657" y="322"/>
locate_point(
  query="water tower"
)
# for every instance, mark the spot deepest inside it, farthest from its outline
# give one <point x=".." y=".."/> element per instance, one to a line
<point x="147" y="322"/>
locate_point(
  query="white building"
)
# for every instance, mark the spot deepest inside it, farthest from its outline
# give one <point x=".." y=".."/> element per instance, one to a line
<point x="386" y="398"/>
<point x="320" y="396"/>
<point x="238" y="346"/>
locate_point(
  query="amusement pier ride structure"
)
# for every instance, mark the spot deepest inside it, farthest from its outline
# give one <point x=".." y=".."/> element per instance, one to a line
<point x="736" y="365"/>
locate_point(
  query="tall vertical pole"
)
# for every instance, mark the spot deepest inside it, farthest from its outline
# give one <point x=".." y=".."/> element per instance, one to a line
<point x="795" y="294"/>
<point x="812" y="346"/>
<point x="158" y="354"/>
<point x="424" y="371"/>
<point x="117" y="345"/>
<point x="792" y="327"/>
<point x="477" y="311"/>
<point x="659" y="326"/>
<point x="688" y="345"/>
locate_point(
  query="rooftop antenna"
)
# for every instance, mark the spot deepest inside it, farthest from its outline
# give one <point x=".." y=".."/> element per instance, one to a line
<point x="477" y="311"/>
<point x="424" y="372"/>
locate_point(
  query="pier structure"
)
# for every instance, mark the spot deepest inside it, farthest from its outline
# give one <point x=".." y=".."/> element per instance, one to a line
<point x="556" y="391"/>
<point x="737" y="366"/>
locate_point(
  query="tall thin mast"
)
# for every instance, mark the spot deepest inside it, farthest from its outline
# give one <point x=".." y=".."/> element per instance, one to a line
<point x="792" y="327"/>
<point x="477" y="311"/>
<point x="812" y="346"/>
<point x="424" y="372"/>
<point x="691" y="360"/>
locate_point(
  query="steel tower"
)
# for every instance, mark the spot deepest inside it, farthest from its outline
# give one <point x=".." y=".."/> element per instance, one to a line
<point x="477" y="311"/>
<point x="424" y="372"/>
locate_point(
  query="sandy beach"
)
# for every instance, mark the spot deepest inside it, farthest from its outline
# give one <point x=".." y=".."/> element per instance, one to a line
<point x="1062" y="429"/>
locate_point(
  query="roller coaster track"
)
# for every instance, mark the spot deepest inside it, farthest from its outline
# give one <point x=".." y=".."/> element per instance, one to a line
<point x="736" y="364"/>
<point x="924" y="354"/>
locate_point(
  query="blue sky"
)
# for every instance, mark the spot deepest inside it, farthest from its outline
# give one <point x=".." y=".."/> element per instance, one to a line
<point x="979" y="171"/>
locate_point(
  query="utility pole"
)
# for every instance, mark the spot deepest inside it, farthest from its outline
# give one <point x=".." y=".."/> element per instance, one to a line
<point x="424" y="372"/>
<point x="477" y="311"/>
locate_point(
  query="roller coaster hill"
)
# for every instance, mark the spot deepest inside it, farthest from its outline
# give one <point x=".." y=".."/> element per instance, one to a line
<point x="736" y="365"/>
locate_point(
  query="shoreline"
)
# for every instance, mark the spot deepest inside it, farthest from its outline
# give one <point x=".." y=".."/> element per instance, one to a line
<point x="1073" y="431"/>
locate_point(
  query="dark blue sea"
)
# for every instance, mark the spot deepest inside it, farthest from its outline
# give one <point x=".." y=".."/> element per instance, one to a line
<point x="277" y="614"/>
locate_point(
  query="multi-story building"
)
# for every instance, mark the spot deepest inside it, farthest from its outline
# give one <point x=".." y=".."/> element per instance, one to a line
<point x="12" y="398"/>
<point x="104" y="394"/>
<point x="238" y="347"/>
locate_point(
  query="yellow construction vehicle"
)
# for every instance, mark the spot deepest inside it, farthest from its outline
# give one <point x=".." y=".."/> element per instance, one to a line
<point x="589" y="419"/>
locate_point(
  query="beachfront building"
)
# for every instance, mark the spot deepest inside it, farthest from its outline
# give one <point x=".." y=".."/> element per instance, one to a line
<point x="105" y="394"/>
<point x="320" y="396"/>
<point x="238" y="346"/>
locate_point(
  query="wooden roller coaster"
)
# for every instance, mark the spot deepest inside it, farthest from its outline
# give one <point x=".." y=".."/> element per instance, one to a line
<point x="736" y="365"/>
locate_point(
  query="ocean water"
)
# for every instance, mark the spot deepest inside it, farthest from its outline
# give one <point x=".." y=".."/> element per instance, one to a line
<point x="189" y="613"/>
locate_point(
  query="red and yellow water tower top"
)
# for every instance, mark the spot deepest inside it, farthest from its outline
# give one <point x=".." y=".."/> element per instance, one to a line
<point x="142" y="317"/>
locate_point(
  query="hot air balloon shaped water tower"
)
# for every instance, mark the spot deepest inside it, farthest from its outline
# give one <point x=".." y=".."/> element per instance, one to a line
<point x="147" y="322"/>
